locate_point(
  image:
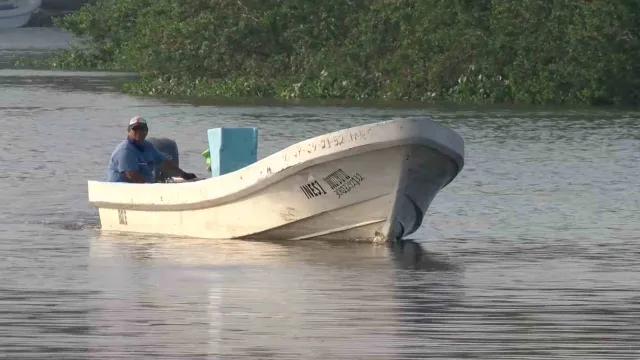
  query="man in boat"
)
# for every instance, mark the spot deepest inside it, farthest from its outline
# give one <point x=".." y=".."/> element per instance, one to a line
<point x="135" y="159"/>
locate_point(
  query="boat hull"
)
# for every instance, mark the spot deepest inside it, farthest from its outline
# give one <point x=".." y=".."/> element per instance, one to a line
<point x="372" y="191"/>
<point x="20" y="16"/>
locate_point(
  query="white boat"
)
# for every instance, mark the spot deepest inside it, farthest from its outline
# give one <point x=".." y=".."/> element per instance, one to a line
<point x="372" y="182"/>
<point x="17" y="13"/>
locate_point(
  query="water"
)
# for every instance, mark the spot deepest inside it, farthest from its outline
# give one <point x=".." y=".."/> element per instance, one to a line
<point x="531" y="253"/>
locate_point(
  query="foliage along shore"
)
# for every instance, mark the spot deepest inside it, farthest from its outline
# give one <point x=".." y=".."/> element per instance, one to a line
<point x="465" y="51"/>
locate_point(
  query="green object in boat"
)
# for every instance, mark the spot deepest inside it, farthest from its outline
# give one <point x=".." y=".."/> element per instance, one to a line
<point x="207" y="158"/>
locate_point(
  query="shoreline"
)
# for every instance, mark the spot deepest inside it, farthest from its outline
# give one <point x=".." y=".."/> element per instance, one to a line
<point x="346" y="53"/>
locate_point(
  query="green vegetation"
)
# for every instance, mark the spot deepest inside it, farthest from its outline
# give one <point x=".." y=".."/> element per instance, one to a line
<point x="466" y="51"/>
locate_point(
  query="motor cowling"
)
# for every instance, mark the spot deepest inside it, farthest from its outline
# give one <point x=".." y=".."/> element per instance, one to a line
<point x="168" y="148"/>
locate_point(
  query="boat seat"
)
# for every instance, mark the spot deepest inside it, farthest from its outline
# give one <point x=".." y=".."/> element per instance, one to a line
<point x="232" y="148"/>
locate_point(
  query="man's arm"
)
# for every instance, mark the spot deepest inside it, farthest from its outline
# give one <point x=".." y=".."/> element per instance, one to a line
<point x="169" y="167"/>
<point x="135" y="177"/>
<point x="128" y="164"/>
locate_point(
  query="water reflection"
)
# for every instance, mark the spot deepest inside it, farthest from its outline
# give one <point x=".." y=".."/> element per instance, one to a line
<point x="267" y="299"/>
<point x="66" y="81"/>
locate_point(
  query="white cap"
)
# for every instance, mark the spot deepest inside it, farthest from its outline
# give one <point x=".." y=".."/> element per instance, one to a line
<point x="137" y="120"/>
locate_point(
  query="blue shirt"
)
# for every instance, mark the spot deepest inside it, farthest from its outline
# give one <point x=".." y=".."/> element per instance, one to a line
<point x="130" y="157"/>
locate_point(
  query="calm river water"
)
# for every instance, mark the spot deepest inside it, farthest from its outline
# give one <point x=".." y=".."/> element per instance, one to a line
<point x="531" y="253"/>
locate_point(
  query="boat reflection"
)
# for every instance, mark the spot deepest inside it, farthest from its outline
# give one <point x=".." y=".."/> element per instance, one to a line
<point x="267" y="299"/>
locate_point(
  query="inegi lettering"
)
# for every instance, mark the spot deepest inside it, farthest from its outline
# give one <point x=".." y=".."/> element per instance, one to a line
<point x="313" y="189"/>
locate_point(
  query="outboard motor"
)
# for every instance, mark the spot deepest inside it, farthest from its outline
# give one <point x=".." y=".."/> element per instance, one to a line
<point x="168" y="148"/>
